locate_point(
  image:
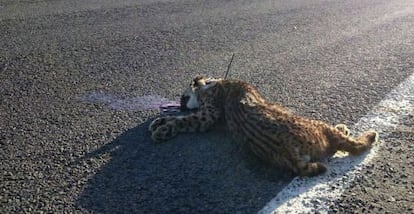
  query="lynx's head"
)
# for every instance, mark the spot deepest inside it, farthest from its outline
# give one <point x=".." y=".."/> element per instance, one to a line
<point x="191" y="97"/>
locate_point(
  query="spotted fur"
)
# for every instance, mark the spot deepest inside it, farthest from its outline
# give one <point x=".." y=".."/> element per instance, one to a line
<point x="272" y="132"/>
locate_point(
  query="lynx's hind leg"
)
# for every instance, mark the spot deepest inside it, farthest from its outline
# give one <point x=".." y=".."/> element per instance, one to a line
<point x="360" y="144"/>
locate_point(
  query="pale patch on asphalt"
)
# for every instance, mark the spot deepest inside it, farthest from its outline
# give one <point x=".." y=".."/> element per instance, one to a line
<point x="141" y="103"/>
<point x="308" y="195"/>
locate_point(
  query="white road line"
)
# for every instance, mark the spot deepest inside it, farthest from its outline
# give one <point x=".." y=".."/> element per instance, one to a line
<point x="308" y="195"/>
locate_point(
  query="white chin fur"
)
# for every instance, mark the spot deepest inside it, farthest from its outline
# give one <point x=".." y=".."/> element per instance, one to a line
<point x="192" y="102"/>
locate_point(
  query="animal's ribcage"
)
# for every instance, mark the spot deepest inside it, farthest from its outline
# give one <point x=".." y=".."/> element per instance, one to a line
<point x="248" y="123"/>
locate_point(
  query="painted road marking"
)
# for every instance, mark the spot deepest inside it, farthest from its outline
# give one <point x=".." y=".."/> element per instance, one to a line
<point x="308" y="195"/>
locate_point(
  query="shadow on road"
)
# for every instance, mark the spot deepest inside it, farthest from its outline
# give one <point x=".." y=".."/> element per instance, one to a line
<point x="193" y="173"/>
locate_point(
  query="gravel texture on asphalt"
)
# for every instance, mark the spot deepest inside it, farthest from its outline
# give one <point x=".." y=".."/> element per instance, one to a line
<point x="330" y="60"/>
<point x="387" y="184"/>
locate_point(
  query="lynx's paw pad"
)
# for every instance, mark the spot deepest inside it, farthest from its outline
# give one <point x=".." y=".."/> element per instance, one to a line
<point x="344" y="129"/>
<point x="313" y="169"/>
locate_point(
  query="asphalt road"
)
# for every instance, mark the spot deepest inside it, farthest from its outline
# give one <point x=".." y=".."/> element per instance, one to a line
<point x="329" y="60"/>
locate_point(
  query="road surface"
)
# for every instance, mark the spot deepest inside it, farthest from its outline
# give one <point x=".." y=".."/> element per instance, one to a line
<point x="80" y="81"/>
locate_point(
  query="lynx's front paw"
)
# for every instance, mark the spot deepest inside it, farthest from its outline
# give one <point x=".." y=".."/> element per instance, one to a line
<point x="164" y="132"/>
<point x="157" y="123"/>
<point x="162" y="128"/>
